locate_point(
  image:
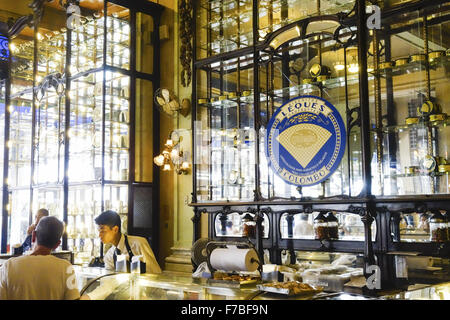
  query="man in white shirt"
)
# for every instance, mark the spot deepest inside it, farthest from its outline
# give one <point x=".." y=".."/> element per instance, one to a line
<point x="110" y="233"/>
<point x="40" y="275"/>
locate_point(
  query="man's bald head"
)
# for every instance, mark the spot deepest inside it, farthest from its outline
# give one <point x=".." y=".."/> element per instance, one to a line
<point x="49" y="231"/>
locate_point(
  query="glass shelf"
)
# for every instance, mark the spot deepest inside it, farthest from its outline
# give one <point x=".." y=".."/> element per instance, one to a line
<point x="229" y="103"/>
<point x="422" y="124"/>
<point x="332" y="83"/>
<point x="413" y="67"/>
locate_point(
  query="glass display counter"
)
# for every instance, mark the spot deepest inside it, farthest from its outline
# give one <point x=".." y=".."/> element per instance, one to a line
<point x="436" y="292"/>
<point x="126" y="286"/>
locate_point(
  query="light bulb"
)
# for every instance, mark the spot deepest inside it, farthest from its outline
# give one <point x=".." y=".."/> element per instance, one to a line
<point x="174" y="154"/>
<point x="339" y="66"/>
<point x="169" y="143"/>
<point x="159" y="160"/>
<point x="166" y="167"/>
<point x="353" y="68"/>
<point x="185" y="165"/>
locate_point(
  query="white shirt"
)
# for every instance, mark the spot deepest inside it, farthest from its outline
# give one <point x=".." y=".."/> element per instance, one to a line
<point x="139" y="246"/>
<point x="41" y="277"/>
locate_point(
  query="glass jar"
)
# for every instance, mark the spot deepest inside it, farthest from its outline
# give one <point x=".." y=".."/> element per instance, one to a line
<point x="438" y="227"/>
<point x="447" y="223"/>
<point x="249" y="225"/>
<point x="333" y="226"/>
<point x="321" y="227"/>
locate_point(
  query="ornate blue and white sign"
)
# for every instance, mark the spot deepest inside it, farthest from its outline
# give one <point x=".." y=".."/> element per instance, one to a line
<point x="4" y="47"/>
<point x="305" y="140"/>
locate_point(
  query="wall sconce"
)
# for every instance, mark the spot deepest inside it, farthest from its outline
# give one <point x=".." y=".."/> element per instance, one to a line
<point x="173" y="156"/>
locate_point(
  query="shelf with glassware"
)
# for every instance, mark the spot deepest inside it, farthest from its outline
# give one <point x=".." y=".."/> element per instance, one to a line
<point x="19" y="147"/>
<point x="413" y="130"/>
<point x="284" y="73"/>
<point x="49" y="150"/>
<point x="225" y="26"/>
<point x="228" y="154"/>
<point x="98" y="125"/>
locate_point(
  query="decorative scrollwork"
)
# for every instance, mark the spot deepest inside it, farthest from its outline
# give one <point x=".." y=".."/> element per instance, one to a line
<point x="186" y="35"/>
<point x="352" y="122"/>
<point x="55" y="80"/>
<point x="30" y="20"/>
<point x="361" y="211"/>
<point x="342" y="16"/>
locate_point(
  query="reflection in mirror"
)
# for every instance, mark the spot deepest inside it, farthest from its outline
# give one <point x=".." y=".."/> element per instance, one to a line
<point x="232" y="225"/>
<point x="350" y="226"/>
<point x="331" y="270"/>
<point x="421" y="227"/>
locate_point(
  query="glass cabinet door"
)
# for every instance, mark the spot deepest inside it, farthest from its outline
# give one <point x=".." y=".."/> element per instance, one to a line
<point x="292" y="73"/>
<point x="73" y="148"/>
<point x="84" y="204"/>
<point x="274" y="14"/>
<point x="19" y="170"/>
<point x="225" y="123"/>
<point x="410" y="107"/>
<point x="223" y="26"/>
<point x="19" y="165"/>
<point x="117" y="36"/>
<point x="116" y="134"/>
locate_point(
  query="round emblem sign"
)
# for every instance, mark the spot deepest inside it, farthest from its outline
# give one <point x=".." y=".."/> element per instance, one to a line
<point x="305" y="140"/>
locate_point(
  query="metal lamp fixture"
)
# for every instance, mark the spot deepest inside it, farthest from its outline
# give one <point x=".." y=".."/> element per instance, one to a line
<point x="173" y="156"/>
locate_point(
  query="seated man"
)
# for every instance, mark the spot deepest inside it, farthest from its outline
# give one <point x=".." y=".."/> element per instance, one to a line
<point x="110" y="233"/>
<point x="40" y="275"/>
<point x="26" y="245"/>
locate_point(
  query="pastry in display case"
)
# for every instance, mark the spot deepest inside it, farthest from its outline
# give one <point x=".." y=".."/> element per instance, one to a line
<point x="291" y="288"/>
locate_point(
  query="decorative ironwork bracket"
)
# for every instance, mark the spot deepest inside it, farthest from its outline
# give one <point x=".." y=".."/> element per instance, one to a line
<point x="186" y="36"/>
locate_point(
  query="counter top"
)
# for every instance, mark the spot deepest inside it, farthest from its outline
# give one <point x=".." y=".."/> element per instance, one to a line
<point x="178" y="287"/>
<point x="434" y="292"/>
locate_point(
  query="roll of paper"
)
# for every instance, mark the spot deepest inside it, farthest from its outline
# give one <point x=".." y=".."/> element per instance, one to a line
<point x="234" y="259"/>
